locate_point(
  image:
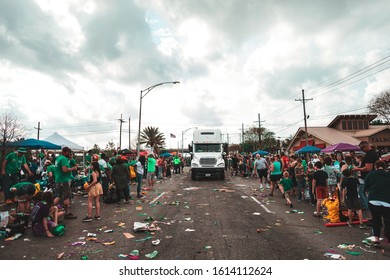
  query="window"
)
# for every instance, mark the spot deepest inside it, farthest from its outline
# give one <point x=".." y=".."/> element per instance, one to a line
<point x="204" y="148"/>
<point x="349" y="125"/>
<point x="344" y="125"/>
<point x="355" y="125"/>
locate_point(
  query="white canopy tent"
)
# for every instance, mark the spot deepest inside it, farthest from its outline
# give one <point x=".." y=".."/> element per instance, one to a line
<point x="55" y="138"/>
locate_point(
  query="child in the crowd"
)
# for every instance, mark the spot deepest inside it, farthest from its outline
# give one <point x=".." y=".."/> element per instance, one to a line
<point x="24" y="191"/>
<point x="40" y="216"/>
<point x="309" y="179"/>
<point x="349" y="187"/>
<point x="319" y="186"/>
<point x="287" y="185"/>
<point x="95" y="190"/>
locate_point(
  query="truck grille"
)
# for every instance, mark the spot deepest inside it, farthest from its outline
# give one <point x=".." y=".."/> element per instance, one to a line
<point x="208" y="161"/>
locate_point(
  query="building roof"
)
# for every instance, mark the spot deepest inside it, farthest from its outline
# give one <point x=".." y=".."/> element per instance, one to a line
<point x="341" y="117"/>
<point x="373" y="129"/>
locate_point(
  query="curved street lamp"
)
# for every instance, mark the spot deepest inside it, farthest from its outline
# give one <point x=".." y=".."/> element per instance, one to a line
<point x="144" y="92"/>
<point x="182" y="138"/>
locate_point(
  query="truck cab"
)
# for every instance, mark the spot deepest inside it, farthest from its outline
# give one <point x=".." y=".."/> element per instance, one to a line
<point x="207" y="154"/>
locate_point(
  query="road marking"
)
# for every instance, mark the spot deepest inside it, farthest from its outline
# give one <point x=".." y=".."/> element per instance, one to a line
<point x="262" y="205"/>
<point x="157" y="198"/>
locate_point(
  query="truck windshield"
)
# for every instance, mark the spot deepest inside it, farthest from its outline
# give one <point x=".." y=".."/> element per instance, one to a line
<point x="204" y="148"/>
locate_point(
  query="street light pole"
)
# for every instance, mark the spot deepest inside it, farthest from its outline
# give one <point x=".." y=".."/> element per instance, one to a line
<point x="182" y="138"/>
<point x="143" y="93"/>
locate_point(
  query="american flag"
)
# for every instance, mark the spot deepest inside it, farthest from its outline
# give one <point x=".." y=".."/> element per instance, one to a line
<point x="173" y="135"/>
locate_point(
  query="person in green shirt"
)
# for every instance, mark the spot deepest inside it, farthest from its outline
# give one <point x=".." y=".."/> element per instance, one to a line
<point x="62" y="181"/>
<point x="287" y="185"/>
<point x="24" y="192"/>
<point x="10" y="171"/>
<point x="151" y="170"/>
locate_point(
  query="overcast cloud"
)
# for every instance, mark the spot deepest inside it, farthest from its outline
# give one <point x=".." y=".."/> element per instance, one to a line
<point x="76" y="66"/>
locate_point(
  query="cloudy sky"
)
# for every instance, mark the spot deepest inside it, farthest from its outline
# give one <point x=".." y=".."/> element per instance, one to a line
<point x="77" y="66"/>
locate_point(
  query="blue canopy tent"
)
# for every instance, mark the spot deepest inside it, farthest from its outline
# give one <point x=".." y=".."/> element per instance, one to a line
<point x="34" y="144"/>
<point x="260" y="152"/>
<point x="165" y="154"/>
<point x="308" y="149"/>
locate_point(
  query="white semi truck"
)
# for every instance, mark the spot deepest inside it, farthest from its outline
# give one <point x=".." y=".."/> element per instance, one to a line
<point x="207" y="153"/>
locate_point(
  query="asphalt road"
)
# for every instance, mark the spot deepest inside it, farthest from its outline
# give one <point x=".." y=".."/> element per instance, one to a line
<point x="198" y="220"/>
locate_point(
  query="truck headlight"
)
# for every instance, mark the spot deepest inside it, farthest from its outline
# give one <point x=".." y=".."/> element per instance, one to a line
<point x="221" y="165"/>
<point x="194" y="165"/>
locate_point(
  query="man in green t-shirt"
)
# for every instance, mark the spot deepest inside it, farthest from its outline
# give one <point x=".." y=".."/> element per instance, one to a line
<point x="62" y="179"/>
<point x="151" y="174"/>
<point x="10" y="171"/>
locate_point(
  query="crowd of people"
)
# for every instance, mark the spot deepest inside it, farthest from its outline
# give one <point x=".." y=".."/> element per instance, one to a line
<point x="360" y="180"/>
<point x="42" y="189"/>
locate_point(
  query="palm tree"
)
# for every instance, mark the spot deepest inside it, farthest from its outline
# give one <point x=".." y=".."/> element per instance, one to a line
<point x="153" y="138"/>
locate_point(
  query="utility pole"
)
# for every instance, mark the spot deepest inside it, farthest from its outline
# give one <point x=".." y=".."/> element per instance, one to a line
<point x="38" y="128"/>
<point x="303" y="100"/>
<point x="243" y="138"/>
<point x="129" y="136"/>
<point x="259" y="130"/>
<point x="120" y="131"/>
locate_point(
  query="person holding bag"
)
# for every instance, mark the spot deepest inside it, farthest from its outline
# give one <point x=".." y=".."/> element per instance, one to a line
<point x="95" y="190"/>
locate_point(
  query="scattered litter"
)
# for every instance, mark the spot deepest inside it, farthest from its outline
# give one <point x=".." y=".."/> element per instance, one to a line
<point x="140" y="226"/>
<point x="109" y="243"/>
<point x="226" y="190"/>
<point x="121" y="224"/>
<point x="295" y="211"/>
<point x="138" y="208"/>
<point x="149" y="219"/>
<point x="191" y="189"/>
<point x="13" y="237"/>
<point x="143" y="239"/>
<point x="346" y="246"/>
<point x="156" y="242"/>
<point x="277" y="224"/>
<point x="168" y="237"/>
<point x="352" y="253"/>
<point x="128" y="235"/>
<point x="26" y="239"/>
<point x="100" y="229"/>
<point x="79" y="243"/>
<point x="91" y="239"/>
<point x="207" y="247"/>
<point x="122" y="256"/>
<point x="109" y="230"/>
<point x="60" y="255"/>
<point x="91" y="234"/>
<point x="134" y="255"/>
<point x="256" y="213"/>
<point x="84" y="257"/>
<point x="334" y="256"/>
<point x="189" y="229"/>
<point x="244" y="196"/>
<point x="366" y="250"/>
<point x="152" y="255"/>
<point x="317" y="232"/>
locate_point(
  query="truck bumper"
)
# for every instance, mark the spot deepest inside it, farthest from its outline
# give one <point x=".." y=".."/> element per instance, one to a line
<point x="208" y="172"/>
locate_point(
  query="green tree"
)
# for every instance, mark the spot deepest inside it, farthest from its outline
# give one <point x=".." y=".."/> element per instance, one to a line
<point x="95" y="149"/>
<point x="153" y="138"/>
<point x="380" y="105"/>
<point x="110" y="148"/>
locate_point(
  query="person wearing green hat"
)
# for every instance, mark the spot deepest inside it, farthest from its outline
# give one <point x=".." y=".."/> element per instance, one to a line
<point x="10" y="171"/>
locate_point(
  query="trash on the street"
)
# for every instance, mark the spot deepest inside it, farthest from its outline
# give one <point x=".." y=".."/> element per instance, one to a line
<point x="152" y="255"/>
<point x="91" y="234"/>
<point x="149" y="219"/>
<point x="334" y="256"/>
<point x="14" y="237"/>
<point x="121" y="224"/>
<point x="353" y="253"/>
<point x="84" y="257"/>
<point x="346" y="246"/>
<point x="134" y="255"/>
<point x="174" y="203"/>
<point x="91" y="239"/>
<point x="140" y="226"/>
<point x="128" y="235"/>
<point x="144" y="239"/>
<point x="109" y="243"/>
<point x="190" y="229"/>
<point x="256" y="213"/>
<point x="138" y="208"/>
<point x="79" y="243"/>
<point x="366" y="250"/>
<point x="207" y="247"/>
<point x="317" y="232"/>
<point x="156" y="242"/>
<point x="109" y="230"/>
<point x="100" y="229"/>
<point x="60" y="255"/>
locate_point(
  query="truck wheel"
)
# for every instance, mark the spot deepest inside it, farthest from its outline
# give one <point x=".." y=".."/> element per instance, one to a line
<point x="222" y="176"/>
